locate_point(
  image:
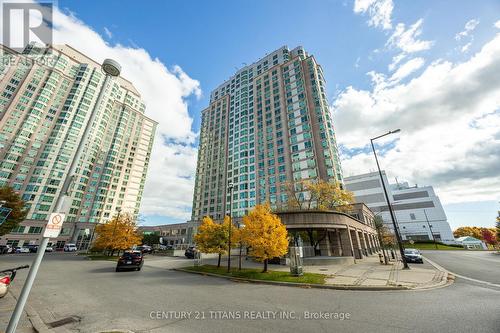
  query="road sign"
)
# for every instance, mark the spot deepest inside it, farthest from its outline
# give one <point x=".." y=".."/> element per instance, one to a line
<point x="54" y="226"/>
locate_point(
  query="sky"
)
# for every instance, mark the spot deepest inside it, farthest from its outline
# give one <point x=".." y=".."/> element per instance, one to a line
<point x="429" y="67"/>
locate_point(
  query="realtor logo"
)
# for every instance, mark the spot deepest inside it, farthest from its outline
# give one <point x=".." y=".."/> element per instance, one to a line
<point x="24" y="23"/>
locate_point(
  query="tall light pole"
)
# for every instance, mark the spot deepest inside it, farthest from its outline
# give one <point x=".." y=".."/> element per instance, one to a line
<point x="430" y="229"/>
<point x="230" y="189"/>
<point x="111" y="69"/>
<point x="117" y="219"/>
<point x="393" y="218"/>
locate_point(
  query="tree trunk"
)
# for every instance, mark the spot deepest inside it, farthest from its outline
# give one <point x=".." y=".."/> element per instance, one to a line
<point x="218" y="261"/>
<point x="265" y="266"/>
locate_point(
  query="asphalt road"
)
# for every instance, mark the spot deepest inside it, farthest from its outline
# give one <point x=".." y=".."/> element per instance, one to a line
<point x="478" y="265"/>
<point x="141" y="302"/>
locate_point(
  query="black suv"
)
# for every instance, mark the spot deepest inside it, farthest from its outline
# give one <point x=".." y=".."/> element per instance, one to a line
<point x="32" y="248"/>
<point x="130" y="260"/>
<point x="190" y="252"/>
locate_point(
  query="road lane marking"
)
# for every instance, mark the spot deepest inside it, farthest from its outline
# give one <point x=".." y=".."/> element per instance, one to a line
<point x="461" y="276"/>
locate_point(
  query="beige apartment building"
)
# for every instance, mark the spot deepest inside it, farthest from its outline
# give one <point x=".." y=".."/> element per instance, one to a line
<point x="72" y="127"/>
<point x="268" y="125"/>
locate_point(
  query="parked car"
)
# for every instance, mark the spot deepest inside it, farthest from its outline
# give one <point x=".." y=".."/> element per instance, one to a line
<point x="4" y="249"/>
<point x="145" y="249"/>
<point x="6" y="278"/>
<point x="413" y="255"/>
<point x="32" y="248"/>
<point x="130" y="260"/>
<point x="49" y="249"/>
<point x="21" y="249"/>
<point x="190" y="252"/>
<point x="70" y="247"/>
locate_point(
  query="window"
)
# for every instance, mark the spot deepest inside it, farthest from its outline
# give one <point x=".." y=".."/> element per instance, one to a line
<point x="412" y="216"/>
<point x="18" y="230"/>
<point x="35" y="230"/>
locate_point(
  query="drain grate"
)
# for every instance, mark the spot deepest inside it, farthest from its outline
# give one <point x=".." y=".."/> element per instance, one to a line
<point x="64" y="321"/>
<point x="323" y="269"/>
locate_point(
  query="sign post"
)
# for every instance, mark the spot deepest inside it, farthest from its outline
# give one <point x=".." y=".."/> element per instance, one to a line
<point x="52" y="230"/>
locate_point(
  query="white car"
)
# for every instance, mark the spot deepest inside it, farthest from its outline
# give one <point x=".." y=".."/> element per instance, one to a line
<point x="49" y="249"/>
<point x="70" y="248"/>
<point x="21" y="249"/>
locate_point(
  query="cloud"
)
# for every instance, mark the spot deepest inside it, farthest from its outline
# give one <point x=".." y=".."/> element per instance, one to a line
<point x="406" y="69"/>
<point x="379" y="11"/>
<point x="466" y="47"/>
<point x="396" y="60"/>
<point x="450" y="121"/>
<point x="170" y="179"/>
<point x="108" y="32"/>
<point x="470" y="26"/>
<point x="407" y="39"/>
<point x="380" y="81"/>
<point x="497" y="24"/>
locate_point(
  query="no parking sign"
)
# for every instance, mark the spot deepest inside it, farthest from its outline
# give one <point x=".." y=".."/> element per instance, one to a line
<point x="54" y="226"/>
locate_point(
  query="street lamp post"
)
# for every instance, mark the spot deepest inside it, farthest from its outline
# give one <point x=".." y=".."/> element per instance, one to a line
<point x="114" y="228"/>
<point x="393" y="218"/>
<point x="430" y="229"/>
<point x="230" y="188"/>
<point x="241" y="246"/>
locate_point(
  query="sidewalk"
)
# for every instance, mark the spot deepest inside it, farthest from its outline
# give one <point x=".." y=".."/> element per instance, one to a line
<point x="7" y="305"/>
<point x="367" y="272"/>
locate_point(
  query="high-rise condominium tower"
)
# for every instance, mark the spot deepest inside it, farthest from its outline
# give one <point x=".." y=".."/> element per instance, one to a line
<point x="69" y="125"/>
<point x="265" y="127"/>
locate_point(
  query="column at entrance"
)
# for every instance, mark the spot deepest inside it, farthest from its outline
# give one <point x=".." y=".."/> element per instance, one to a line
<point x="324" y="244"/>
<point x="356" y="244"/>
<point x="336" y="244"/>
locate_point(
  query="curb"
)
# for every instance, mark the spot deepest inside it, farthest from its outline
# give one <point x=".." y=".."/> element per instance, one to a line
<point x="447" y="279"/>
<point x="296" y="284"/>
<point x="34" y="318"/>
<point x="452" y="276"/>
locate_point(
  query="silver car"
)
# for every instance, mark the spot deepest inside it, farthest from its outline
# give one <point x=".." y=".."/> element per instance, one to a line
<point x="413" y="256"/>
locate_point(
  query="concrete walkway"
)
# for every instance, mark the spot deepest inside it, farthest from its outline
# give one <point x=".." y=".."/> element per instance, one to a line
<point x="367" y="272"/>
<point x="7" y="305"/>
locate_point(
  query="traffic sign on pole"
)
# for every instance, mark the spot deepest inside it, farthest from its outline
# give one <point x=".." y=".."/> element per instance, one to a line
<point x="52" y="230"/>
<point x="54" y="226"/>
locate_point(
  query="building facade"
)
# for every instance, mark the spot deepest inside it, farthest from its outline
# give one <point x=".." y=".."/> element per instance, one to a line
<point x="70" y="127"/>
<point x="267" y="126"/>
<point x="351" y="235"/>
<point x="418" y="210"/>
<point x="177" y="235"/>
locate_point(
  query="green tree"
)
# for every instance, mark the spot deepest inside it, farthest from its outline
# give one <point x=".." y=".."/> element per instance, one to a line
<point x="151" y="239"/>
<point x="264" y="233"/>
<point x="11" y="200"/>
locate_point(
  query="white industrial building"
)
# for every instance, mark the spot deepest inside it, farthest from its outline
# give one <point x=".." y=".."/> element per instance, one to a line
<point x="418" y="210"/>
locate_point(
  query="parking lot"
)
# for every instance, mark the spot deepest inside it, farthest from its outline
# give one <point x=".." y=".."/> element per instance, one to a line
<point x="70" y="286"/>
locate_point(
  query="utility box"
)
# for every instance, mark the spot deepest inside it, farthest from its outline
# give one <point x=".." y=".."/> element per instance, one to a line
<point x="296" y="260"/>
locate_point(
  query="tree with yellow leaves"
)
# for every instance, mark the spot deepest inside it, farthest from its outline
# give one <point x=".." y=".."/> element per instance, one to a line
<point x="118" y="234"/>
<point x="320" y="194"/>
<point x="213" y="237"/>
<point x="264" y="233"/>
